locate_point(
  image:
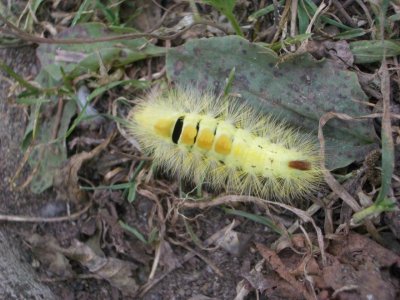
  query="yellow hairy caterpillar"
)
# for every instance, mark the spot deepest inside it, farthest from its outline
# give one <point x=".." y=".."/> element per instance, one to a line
<point x="229" y="145"/>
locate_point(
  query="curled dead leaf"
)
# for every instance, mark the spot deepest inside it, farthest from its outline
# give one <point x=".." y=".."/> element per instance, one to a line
<point x="54" y="261"/>
<point x="279" y="267"/>
<point x="117" y="272"/>
<point x="66" y="181"/>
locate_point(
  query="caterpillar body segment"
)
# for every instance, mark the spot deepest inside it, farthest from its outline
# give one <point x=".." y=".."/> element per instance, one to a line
<point x="226" y="144"/>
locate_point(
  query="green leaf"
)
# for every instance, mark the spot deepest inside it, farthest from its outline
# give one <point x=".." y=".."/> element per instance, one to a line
<point x="303" y="18"/>
<point x="299" y="90"/>
<point x="100" y="90"/>
<point x="134" y="231"/>
<point x="350" y="34"/>
<point x="132" y="188"/>
<point x="383" y="205"/>
<point x="49" y="155"/>
<point x="370" y="51"/>
<point x="10" y="72"/>
<point x="226" y="7"/>
<point x="80" y="14"/>
<point x="395" y="17"/>
<point x="192" y="234"/>
<point x="277" y="46"/>
<point x="255" y="218"/>
<point x="108" y="13"/>
<point x="222" y="5"/>
<point x="263" y="11"/>
<point x="29" y="15"/>
<point x="119" y="186"/>
<point x="31" y="100"/>
<point x="312" y="9"/>
<point x="32" y="128"/>
<point x="77" y="59"/>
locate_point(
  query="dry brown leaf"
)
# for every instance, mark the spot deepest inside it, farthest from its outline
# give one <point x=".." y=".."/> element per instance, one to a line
<point x="235" y="242"/>
<point x="363" y="248"/>
<point x="54" y="261"/>
<point x="279" y="267"/>
<point x="66" y="181"/>
<point x="117" y="272"/>
<point x="350" y="283"/>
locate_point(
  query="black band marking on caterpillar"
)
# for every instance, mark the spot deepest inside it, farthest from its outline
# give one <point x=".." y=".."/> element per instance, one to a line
<point x="176" y="134"/>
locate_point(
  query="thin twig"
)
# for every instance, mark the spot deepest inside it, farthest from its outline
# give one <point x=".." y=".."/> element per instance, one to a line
<point x="35" y="39"/>
<point x="330" y="180"/>
<point x="27" y="219"/>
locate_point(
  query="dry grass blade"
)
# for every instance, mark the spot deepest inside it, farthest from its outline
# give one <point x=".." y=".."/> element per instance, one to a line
<point x="387" y="139"/>
<point x="330" y="180"/>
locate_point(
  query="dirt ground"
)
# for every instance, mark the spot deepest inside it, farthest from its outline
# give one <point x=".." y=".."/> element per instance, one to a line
<point x="193" y="279"/>
<point x="203" y="251"/>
